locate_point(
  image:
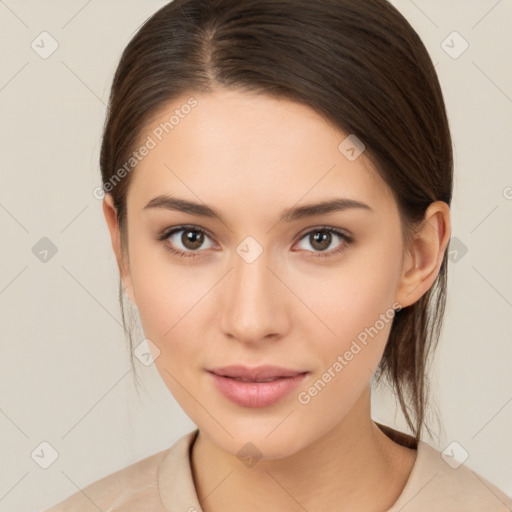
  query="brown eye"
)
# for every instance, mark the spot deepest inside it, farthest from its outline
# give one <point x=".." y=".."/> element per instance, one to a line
<point x="323" y="241"/>
<point x="192" y="239"/>
<point x="320" y="240"/>
<point x="187" y="239"/>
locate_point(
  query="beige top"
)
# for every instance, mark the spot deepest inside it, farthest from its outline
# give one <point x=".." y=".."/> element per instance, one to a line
<point x="163" y="482"/>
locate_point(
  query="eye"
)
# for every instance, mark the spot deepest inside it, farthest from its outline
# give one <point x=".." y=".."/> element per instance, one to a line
<point x="188" y="241"/>
<point x="323" y="240"/>
<point x="185" y="240"/>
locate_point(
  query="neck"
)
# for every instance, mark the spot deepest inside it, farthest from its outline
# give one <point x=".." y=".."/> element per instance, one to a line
<point x="354" y="466"/>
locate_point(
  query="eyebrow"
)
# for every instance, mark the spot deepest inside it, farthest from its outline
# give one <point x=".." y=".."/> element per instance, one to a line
<point x="289" y="215"/>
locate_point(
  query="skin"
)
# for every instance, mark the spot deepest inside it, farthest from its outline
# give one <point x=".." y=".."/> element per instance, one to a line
<point x="251" y="157"/>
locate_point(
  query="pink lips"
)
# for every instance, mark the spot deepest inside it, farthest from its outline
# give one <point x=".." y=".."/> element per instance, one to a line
<point x="247" y="387"/>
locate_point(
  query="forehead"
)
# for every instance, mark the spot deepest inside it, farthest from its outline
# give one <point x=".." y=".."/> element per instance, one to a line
<point x="232" y="144"/>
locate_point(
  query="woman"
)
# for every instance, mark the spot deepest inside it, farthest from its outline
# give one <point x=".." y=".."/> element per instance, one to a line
<point x="277" y="179"/>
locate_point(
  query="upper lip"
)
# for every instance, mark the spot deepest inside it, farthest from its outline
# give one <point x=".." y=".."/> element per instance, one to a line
<point x="256" y="373"/>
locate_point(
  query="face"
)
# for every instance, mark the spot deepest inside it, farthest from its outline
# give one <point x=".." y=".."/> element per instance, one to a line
<point x="268" y="281"/>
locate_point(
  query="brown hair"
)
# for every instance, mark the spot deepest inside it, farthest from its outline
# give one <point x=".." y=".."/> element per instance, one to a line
<point x="359" y="64"/>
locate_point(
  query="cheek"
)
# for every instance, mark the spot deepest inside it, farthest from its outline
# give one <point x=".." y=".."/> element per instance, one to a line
<point x="167" y="292"/>
<point x="169" y="303"/>
<point x="352" y="297"/>
<point x="347" y="359"/>
<point x="166" y="300"/>
<point x="354" y="303"/>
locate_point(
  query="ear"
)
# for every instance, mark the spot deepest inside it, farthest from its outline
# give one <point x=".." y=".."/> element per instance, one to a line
<point x="422" y="260"/>
<point x="110" y="212"/>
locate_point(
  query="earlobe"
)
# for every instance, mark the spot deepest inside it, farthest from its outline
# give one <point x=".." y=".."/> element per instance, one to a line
<point x="424" y="257"/>
<point x="110" y="213"/>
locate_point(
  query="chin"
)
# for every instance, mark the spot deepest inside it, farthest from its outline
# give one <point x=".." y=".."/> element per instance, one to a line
<point x="264" y="439"/>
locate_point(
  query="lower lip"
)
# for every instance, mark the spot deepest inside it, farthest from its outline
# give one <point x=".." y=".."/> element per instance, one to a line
<point x="256" y="394"/>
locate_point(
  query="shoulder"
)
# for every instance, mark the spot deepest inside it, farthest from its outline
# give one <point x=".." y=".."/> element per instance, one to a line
<point x="440" y="483"/>
<point x="132" y="488"/>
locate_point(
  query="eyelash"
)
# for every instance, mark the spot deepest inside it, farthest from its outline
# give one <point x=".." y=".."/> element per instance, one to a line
<point x="163" y="238"/>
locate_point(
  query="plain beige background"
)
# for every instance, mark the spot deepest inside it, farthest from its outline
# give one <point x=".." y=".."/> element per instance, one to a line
<point x="64" y="369"/>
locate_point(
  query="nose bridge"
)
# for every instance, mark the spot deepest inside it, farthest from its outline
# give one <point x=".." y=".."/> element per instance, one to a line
<point x="254" y="307"/>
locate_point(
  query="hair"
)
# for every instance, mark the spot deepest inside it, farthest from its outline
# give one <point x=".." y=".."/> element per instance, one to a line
<point x="359" y="64"/>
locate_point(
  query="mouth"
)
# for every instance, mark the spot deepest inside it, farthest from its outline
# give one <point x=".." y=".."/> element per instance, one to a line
<point x="258" y="374"/>
<point x="241" y="379"/>
<point x="256" y="387"/>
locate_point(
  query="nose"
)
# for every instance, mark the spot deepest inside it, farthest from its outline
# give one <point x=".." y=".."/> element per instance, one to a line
<point x="255" y="303"/>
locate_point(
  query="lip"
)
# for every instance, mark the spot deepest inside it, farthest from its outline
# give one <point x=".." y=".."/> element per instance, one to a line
<point x="251" y="392"/>
<point x="262" y="372"/>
